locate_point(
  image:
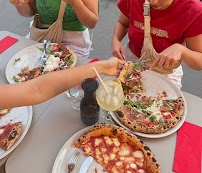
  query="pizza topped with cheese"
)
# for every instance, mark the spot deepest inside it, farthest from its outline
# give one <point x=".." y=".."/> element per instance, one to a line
<point x="146" y="114"/>
<point x="117" y="150"/>
<point x="60" y="57"/>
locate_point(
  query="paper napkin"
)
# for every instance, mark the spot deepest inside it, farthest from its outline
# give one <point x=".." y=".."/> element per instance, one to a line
<point x="188" y="150"/>
<point x="6" y="43"/>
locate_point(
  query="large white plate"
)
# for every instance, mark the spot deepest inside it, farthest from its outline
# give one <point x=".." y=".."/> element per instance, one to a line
<point x="28" y="57"/>
<point x="63" y="157"/>
<point x="20" y="114"/>
<point x="157" y="83"/>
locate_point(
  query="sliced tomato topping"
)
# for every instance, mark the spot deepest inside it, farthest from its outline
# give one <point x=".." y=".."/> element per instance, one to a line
<point x="63" y="56"/>
<point x="55" y="48"/>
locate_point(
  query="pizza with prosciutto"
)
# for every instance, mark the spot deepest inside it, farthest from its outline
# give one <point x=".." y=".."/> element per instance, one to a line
<point x="60" y="57"/>
<point x="9" y="133"/>
<point x="146" y="114"/>
<point x="117" y="150"/>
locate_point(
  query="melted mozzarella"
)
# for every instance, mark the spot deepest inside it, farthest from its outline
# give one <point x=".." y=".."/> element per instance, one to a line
<point x="116" y="142"/>
<point x="97" y="141"/>
<point x="52" y="63"/>
<point x="138" y="154"/>
<point x="1" y="131"/>
<point x="155" y="109"/>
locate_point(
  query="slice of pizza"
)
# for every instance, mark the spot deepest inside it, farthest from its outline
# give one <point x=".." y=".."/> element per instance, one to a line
<point x="4" y="112"/>
<point x="27" y="74"/>
<point x="130" y="77"/>
<point x="151" y="115"/>
<point x="117" y="150"/>
<point x="67" y="58"/>
<point x="59" y="57"/>
<point x="9" y="134"/>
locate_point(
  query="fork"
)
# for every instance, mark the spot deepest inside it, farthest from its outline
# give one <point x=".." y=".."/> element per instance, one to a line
<point x="44" y="58"/>
<point x="73" y="160"/>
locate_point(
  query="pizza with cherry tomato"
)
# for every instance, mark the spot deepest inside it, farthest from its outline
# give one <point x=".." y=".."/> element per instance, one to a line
<point x="117" y="150"/>
<point x="146" y="114"/>
<point x="60" y="57"/>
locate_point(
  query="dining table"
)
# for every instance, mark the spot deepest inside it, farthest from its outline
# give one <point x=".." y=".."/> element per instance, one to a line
<point x="55" y="121"/>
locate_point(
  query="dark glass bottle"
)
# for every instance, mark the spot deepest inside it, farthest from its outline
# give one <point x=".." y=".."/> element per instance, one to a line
<point x="89" y="109"/>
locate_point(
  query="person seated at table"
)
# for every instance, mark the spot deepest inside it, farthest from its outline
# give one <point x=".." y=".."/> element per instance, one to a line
<point x="174" y="24"/>
<point x="79" y="16"/>
<point x="44" y="87"/>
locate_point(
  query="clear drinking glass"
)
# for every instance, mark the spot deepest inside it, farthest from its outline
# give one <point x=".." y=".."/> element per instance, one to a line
<point x="75" y="95"/>
<point x="114" y="99"/>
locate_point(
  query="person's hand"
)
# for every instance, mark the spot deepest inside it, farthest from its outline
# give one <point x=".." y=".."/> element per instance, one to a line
<point x="112" y="66"/>
<point x="19" y="2"/>
<point x="168" y="57"/>
<point x="118" y="49"/>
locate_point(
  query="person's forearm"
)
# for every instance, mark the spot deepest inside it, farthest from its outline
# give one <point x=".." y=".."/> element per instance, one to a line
<point x="40" y="89"/>
<point x="191" y="58"/>
<point x="85" y="15"/>
<point x="119" y="31"/>
<point x="25" y="10"/>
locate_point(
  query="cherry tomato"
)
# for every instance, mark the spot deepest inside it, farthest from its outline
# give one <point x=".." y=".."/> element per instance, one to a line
<point x="55" y="48"/>
<point x="63" y="56"/>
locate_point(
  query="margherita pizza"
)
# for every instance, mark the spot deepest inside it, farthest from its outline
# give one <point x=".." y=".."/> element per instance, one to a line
<point x="60" y="57"/>
<point x="117" y="150"/>
<point x="9" y="134"/>
<point x="146" y="114"/>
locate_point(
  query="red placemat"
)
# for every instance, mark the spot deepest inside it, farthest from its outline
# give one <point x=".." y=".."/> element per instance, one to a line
<point x="6" y="43"/>
<point x="188" y="150"/>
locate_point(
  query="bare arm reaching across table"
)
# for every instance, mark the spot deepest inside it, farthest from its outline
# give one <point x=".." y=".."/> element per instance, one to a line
<point x="40" y="89"/>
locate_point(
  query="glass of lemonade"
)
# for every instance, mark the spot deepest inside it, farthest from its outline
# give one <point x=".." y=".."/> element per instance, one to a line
<point x="114" y="100"/>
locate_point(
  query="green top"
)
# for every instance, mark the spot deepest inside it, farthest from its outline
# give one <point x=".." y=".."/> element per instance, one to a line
<point x="49" y="9"/>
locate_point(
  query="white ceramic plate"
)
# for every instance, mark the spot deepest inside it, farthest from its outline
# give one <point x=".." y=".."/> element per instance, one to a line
<point x="20" y="114"/>
<point x="63" y="157"/>
<point x="157" y="83"/>
<point x="28" y="57"/>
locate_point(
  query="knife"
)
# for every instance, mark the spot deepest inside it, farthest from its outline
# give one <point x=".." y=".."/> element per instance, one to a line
<point x="86" y="164"/>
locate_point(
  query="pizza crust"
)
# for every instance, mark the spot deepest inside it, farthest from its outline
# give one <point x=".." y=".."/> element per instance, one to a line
<point x="73" y="58"/>
<point x="128" y="68"/>
<point x="115" y="131"/>
<point x="154" y="129"/>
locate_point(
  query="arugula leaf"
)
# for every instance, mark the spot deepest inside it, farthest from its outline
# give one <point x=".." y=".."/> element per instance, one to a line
<point x="125" y="89"/>
<point x="160" y="122"/>
<point x="167" y="102"/>
<point x="32" y="72"/>
<point x="152" y="118"/>
<point x="41" y="49"/>
<point x="16" y="60"/>
<point x="136" y="65"/>
<point x="16" y="80"/>
<point x="69" y="62"/>
<point x="127" y="73"/>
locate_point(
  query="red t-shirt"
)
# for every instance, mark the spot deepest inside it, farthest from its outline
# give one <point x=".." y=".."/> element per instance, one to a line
<point x="183" y="19"/>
